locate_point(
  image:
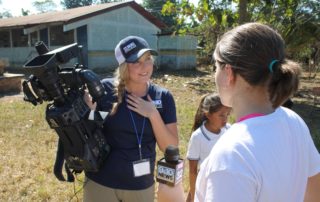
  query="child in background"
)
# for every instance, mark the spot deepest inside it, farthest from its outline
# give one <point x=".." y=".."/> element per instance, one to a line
<point x="210" y="122"/>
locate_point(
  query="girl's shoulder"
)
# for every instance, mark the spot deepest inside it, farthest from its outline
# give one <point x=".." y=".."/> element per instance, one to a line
<point x="197" y="132"/>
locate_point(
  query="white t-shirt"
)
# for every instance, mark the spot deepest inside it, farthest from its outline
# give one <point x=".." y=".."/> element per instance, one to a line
<point x="202" y="141"/>
<point x="265" y="158"/>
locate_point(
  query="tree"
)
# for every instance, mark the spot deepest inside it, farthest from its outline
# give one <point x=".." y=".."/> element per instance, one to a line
<point x="298" y="21"/>
<point x="155" y="7"/>
<point x="75" y="3"/>
<point x="243" y="15"/>
<point x="106" y="1"/>
<point x="44" y="6"/>
<point x="24" y="12"/>
<point x="207" y="20"/>
<point x="5" y="14"/>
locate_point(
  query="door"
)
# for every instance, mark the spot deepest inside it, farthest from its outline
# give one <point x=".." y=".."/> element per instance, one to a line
<point x="82" y="39"/>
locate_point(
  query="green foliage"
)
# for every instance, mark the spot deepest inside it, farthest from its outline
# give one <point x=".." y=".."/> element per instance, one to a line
<point x="24" y="12"/>
<point x="67" y="4"/>
<point x="169" y="17"/>
<point x="43" y="6"/>
<point x="75" y="3"/>
<point x="5" y="14"/>
<point x="105" y="1"/>
<point x="297" y="21"/>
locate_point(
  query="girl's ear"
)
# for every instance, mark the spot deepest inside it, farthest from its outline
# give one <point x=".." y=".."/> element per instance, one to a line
<point x="230" y="74"/>
<point x="205" y="115"/>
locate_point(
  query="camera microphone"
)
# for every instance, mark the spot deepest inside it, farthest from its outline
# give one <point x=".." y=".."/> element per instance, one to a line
<point x="170" y="168"/>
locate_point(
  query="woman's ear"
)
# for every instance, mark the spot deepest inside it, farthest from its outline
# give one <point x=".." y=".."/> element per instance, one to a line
<point x="230" y="74"/>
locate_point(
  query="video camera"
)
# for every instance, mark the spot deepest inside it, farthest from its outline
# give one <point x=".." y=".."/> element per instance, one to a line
<point x="82" y="144"/>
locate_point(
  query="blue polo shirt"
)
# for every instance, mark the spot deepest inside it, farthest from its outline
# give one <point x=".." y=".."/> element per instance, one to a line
<point x="117" y="170"/>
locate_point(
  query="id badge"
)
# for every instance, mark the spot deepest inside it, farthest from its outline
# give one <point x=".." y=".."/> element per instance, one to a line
<point x="141" y="167"/>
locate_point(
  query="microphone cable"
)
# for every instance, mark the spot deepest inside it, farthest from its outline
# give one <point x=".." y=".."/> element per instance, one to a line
<point x="75" y="191"/>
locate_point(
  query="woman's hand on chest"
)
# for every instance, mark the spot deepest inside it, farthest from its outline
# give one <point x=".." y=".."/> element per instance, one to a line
<point x="143" y="107"/>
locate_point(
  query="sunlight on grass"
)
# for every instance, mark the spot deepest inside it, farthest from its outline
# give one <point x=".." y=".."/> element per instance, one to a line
<point x="28" y="145"/>
<point x="44" y="194"/>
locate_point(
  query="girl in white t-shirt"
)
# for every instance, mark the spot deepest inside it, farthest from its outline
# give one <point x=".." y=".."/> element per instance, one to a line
<point x="210" y="122"/>
<point x="268" y="154"/>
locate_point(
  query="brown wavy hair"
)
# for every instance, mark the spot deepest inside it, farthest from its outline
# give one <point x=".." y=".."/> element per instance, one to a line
<point x="250" y="49"/>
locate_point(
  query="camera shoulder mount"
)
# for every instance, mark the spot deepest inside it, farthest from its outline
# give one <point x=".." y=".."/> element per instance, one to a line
<point x="82" y="145"/>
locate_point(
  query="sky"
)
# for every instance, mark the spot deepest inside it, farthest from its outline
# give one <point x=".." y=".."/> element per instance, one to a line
<point x="15" y="6"/>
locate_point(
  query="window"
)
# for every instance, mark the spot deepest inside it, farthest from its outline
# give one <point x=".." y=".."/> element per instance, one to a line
<point x="33" y="38"/>
<point x="19" y="39"/>
<point x="4" y="39"/>
<point x="58" y="37"/>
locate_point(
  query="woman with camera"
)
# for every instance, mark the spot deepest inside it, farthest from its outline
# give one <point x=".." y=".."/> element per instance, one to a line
<point x="142" y="115"/>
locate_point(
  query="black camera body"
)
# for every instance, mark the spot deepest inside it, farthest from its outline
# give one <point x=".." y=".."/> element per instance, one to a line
<point x="82" y="145"/>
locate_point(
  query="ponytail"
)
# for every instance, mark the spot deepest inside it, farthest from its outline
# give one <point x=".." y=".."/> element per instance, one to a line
<point x="120" y="75"/>
<point x="199" y="116"/>
<point x="284" y="82"/>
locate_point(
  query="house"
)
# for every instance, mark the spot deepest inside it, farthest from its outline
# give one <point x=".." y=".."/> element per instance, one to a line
<point x="97" y="28"/>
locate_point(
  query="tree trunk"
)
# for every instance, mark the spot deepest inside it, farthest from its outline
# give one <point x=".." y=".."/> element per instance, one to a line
<point x="243" y="11"/>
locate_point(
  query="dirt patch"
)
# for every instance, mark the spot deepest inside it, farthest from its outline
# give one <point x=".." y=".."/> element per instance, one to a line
<point x="11" y="97"/>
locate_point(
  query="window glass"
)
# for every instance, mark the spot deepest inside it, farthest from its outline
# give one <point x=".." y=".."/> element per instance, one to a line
<point x="58" y="37"/>
<point x="19" y="39"/>
<point x="4" y="38"/>
<point x="33" y="38"/>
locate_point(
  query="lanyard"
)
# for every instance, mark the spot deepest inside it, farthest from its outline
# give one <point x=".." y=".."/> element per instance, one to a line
<point x="139" y="139"/>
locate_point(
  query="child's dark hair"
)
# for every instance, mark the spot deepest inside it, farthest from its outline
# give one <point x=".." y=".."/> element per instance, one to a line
<point x="256" y="52"/>
<point x="208" y="103"/>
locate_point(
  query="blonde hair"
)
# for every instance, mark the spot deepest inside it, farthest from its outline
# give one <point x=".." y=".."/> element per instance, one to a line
<point x="121" y="76"/>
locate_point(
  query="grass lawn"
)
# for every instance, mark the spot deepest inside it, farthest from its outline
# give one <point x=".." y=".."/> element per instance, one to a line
<point x="28" y="145"/>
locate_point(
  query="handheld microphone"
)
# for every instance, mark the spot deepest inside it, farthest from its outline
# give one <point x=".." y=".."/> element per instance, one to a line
<point x="170" y="168"/>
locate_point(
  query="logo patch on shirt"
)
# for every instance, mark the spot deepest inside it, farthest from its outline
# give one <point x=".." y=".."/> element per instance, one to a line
<point x="129" y="47"/>
<point x="157" y="103"/>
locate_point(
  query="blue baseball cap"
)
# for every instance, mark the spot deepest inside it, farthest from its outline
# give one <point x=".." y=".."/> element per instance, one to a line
<point x="131" y="48"/>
